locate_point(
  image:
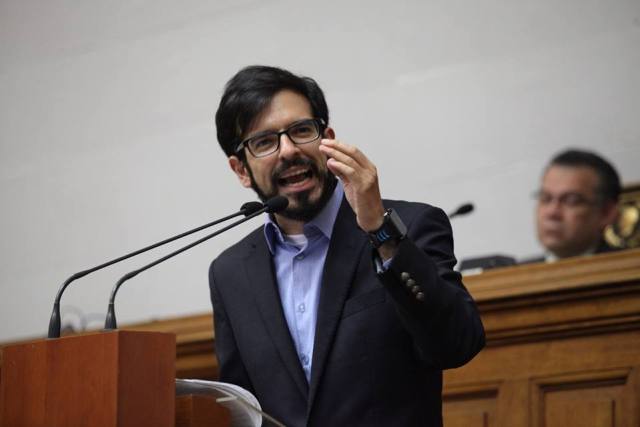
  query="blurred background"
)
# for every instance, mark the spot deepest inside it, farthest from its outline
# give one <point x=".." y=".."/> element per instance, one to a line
<point x="108" y="143"/>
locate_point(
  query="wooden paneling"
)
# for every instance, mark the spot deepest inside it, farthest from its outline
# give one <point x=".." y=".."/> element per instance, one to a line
<point x="563" y="345"/>
<point x="471" y="406"/>
<point x="200" y="411"/>
<point x="594" y="398"/>
<point x="195" y="351"/>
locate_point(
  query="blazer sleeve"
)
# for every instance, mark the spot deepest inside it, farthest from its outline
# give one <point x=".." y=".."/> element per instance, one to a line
<point x="230" y="366"/>
<point x="430" y="299"/>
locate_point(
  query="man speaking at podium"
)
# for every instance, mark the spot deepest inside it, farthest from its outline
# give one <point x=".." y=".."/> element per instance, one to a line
<point x="343" y="309"/>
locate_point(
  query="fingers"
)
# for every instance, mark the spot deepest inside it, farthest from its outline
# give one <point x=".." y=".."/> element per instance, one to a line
<point x="360" y="179"/>
<point x="350" y="165"/>
<point x="343" y="160"/>
<point x="339" y="169"/>
<point x="344" y="153"/>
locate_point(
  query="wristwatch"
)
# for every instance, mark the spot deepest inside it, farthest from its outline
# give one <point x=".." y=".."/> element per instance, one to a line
<point x="392" y="228"/>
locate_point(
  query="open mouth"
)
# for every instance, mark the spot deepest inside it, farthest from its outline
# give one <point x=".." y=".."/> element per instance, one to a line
<point x="295" y="177"/>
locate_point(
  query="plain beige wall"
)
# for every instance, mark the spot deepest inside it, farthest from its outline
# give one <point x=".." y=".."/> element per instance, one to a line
<point x="108" y="142"/>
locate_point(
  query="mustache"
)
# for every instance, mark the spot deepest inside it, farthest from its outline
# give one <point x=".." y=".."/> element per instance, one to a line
<point x="289" y="163"/>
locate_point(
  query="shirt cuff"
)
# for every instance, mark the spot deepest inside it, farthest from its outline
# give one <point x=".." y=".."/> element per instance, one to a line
<point x="381" y="267"/>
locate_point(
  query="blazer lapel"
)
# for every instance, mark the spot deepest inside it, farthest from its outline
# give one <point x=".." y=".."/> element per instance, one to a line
<point x="342" y="259"/>
<point x="263" y="286"/>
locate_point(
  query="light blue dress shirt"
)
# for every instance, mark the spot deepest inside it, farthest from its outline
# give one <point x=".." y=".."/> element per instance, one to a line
<point x="299" y="261"/>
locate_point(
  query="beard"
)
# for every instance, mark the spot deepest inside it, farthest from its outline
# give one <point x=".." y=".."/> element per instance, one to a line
<point x="304" y="209"/>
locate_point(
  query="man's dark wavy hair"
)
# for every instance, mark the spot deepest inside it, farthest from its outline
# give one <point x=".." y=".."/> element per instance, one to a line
<point x="609" y="181"/>
<point x="250" y="91"/>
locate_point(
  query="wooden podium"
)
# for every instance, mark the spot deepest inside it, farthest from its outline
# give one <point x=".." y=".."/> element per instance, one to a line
<point x="110" y="379"/>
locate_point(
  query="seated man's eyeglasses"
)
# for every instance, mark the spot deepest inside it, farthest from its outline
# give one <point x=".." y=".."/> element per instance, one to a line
<point x="570" y="200"/>
<point x="300" y="132"/>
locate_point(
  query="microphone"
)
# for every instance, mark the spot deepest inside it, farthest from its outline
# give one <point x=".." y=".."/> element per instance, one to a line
<point x="276" y="204"/>
<point x="249" y="208"/>
<point x="462" y="210"/>
<point x="273" y="205"/>
<point x="54" y="324"/>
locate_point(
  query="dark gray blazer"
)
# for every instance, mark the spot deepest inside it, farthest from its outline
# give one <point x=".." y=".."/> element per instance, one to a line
<point x="378" y="352"/>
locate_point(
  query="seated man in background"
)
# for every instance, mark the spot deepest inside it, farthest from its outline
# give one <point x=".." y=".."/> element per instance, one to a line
<point x="578" y="199"/>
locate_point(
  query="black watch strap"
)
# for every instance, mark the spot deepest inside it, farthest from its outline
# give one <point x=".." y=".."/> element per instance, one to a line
<point x="392" y="228"/>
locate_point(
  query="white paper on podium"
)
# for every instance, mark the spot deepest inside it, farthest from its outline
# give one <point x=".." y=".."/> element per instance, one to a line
<point x="243" y="406"/>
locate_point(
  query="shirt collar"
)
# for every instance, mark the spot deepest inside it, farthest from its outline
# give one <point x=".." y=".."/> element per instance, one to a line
<point x="551" y="257"/>
<point x="323" y="222"/>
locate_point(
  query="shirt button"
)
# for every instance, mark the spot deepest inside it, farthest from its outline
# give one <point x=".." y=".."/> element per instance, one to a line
<point x="301" y="308"/>
<point x="304" y="359"/>
<point x="300" y="257"/>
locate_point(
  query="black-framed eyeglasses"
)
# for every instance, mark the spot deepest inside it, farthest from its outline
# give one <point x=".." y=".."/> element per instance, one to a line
<point x="300" y="132"/>
<point x="569" y="200"/>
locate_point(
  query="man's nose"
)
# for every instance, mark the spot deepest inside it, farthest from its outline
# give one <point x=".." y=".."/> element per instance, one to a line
<point x="553" y="208"/>
<point x="287" y="147"/>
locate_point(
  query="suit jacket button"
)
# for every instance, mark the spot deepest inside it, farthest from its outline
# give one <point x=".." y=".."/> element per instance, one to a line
<point x="420" y="296"/>
<point x="410" y="283"/>
<point x="415" y="290"/>
<point x="404" y="276"/>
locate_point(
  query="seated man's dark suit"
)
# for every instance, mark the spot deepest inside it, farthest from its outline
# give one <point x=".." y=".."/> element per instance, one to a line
<point x="379" y="351"/>
<point x="602" y="248"/>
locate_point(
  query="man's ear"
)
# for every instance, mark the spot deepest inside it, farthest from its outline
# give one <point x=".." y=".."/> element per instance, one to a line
<point x="609" y="213"/>
<point x="240" y="169"/>
<point x="329" y="133"/>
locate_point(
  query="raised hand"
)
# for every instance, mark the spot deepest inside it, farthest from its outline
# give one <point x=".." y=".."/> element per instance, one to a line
<point x="360" y="180"/>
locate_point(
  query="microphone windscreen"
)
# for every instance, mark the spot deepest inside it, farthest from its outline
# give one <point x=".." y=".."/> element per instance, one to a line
<point x="465" y="209"/>
<point x="276" y="204"/>
<point x="250" y="207"/>
<point x="462" y="210"/>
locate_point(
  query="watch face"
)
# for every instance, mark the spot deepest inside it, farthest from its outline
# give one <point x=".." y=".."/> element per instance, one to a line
<point x="398" y="225"/>
<point x="392" y="228"/>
